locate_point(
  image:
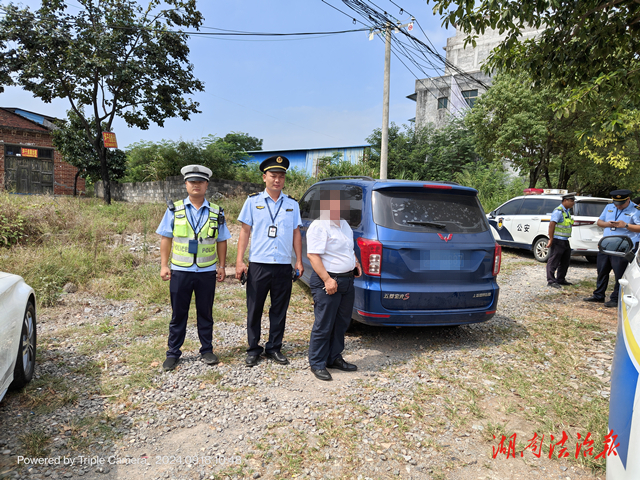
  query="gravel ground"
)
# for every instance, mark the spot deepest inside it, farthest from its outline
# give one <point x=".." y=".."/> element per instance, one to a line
<point x="203" y="422"/>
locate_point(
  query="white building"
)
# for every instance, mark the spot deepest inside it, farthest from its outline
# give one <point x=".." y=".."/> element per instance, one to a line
<point x="438" y="97"/>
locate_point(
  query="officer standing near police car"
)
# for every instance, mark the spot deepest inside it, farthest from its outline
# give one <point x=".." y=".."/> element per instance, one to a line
<point x="560" y="227"/>
<point x="615" y="219"/>
<point x="272" y="220"/>
<point x="193" y="252"/>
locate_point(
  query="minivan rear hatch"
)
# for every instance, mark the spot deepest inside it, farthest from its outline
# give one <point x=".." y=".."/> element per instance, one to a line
<point x="437" y="248"/>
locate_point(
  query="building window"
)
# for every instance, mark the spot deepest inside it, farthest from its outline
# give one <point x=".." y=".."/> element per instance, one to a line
<point x="470" y="96"/>
<point x="442" y="102"/>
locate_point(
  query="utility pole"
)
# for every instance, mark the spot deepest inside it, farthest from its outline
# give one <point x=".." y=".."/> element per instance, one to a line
<point x="384" y="148"/>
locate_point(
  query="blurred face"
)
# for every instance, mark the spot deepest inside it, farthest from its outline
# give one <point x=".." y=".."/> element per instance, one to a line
<point x="568" y="203"/>
<point x="274" y="180"/>
<point x="196" y="188"/>
<point x="330" y="207"/>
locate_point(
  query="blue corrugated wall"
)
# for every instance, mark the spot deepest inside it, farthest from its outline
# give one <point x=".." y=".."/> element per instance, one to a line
<point x="306" y="160"/>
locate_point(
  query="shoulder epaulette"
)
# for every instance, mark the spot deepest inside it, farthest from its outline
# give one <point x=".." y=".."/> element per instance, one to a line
<point x="292" y="198"/>
<point x="254" y="194"/>
<point x="637" y="207"/>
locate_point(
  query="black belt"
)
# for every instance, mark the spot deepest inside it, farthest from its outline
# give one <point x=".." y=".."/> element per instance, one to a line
<point x="345" y="274"/>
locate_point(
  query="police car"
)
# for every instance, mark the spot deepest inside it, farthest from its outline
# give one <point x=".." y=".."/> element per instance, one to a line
<point x="624" y="425"/>
<point x="523" y="222"/>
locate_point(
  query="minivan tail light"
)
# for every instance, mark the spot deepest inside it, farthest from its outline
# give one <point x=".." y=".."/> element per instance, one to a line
<point x="371" y="256"/>
<point x="577" y="223"/>
<point x="497" y="259"/>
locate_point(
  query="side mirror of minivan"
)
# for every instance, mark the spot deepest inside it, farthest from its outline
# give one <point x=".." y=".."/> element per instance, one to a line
<point x="492" y="214"/>
<point x="617" y="246"/>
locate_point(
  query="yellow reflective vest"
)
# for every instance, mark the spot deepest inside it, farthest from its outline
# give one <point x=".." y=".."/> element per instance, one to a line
<point x="183" y="232"/>
<point x="563" y="229"/>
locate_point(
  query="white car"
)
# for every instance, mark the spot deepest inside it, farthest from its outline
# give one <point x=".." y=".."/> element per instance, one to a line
<point x="625" y="371"/>
<point x="17" y="332"/>
<point x="523" y="222"/>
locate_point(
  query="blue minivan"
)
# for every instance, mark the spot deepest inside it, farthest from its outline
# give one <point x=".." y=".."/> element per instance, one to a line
<point x="426" y="249"/>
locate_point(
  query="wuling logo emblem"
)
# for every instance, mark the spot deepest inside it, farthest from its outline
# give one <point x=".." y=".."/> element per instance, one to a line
<point x="447" y="238"/>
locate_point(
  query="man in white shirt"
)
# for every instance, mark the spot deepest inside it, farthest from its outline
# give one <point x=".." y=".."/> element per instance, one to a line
<point x="330" y="251"/>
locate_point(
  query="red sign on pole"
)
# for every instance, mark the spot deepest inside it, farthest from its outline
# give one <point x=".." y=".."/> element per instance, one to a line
<point x="29" y="152"/>
<point x="109" y="139"/>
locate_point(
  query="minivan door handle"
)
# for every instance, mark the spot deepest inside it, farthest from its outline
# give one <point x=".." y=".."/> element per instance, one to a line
<point x="535" y="218"/>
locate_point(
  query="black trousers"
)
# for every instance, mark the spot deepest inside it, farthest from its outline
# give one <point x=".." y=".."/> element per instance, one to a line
<point x="264" y="278"/>
<point x="332" y="319"/>
<point x="559" y="259"/>
<point x="605" y="264"/>
<point x="181" y="287"/>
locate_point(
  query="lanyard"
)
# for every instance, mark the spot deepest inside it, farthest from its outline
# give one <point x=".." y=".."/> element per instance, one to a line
<point x="618" y="213"/>
<point x="197" y="227"/>
<point x="273" y="218"/>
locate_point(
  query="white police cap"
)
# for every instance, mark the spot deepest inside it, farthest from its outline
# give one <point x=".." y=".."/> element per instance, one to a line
<point x="195" y="172"/>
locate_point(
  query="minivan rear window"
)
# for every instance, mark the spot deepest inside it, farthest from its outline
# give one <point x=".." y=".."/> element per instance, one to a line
<point x="428" y="212"/>
<point x="589" y="208"/>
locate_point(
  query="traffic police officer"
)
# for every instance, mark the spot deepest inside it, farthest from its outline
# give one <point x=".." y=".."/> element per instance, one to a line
<point x="558" y="245"/>
<point x="272" y="220"/>
<point x="615" y="220"/>
<point x="194" y="236"/>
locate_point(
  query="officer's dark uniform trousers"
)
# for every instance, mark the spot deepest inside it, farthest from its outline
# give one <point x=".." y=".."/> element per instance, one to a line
<point x="559" y="259"/>
<point x="605" y="264"/>
<point x="181" y="287"/>
<point x="263" y="278"/>
<point x="332" y="319"/>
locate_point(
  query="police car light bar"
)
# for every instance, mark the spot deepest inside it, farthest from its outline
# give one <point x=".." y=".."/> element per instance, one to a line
<point x="555" y="191"/>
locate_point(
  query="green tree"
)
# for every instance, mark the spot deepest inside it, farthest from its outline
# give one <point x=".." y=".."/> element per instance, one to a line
<point x="493" y="183"/>
<point x="72" y="143"/>
<point x="515" y="122"/>
<point x="243" y="141"/>
<point x="114" y="57"/>
<point x="428" y="153"/>
<point x="588" y="46"/>
<point x="159" y="160"/>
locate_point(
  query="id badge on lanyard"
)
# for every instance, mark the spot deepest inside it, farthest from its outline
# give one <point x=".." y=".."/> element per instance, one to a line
<point x="272" y="231"/>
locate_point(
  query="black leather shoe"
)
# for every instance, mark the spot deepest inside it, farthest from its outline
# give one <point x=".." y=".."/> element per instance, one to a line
<point x="611" y="304"/>
<point x="593" y="299"/>
<point x="251" y="360"/>
<point x="170" y="363"/>
<point x="565" y="283"/>
<point x="209" y="358"/>
<point x="554" y="285"/>
<point x="340" y="364"/>
<point x="277" y="357"/>
<point x="322" y="374"/>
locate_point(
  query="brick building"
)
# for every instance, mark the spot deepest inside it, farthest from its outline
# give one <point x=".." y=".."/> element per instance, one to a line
<point x="28" y="161"/>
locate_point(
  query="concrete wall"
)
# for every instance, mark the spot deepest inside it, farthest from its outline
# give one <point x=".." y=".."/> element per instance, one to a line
<point x="173" y="188"/>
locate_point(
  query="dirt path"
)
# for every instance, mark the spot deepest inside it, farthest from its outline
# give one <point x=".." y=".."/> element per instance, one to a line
<point x="424" y="403"/>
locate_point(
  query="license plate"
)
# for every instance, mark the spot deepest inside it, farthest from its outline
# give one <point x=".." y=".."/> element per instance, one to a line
<point x="440" y="260"/>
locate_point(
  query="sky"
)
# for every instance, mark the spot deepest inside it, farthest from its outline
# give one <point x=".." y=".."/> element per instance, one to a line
<point x="319" y="92"/>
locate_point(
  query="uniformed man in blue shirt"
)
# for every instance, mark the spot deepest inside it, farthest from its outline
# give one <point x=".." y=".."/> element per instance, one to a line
<point x="193" y="252"/>
<point x="615" y="219"/>
<point x="560" y="227"/>
<point x="272" y="220"/>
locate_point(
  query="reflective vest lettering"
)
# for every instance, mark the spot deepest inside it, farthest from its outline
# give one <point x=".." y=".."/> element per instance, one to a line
<point x="183" y="232"/>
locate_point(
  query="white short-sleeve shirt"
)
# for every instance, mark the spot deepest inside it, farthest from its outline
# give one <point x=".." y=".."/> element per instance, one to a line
<point x="334" y="244"/>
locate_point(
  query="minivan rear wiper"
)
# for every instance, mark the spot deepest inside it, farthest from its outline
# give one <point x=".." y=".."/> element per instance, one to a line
<point x="428" y="224"/>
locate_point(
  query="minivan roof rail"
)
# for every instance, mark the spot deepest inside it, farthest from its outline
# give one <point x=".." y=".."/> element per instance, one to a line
<point x="362" y="177"/>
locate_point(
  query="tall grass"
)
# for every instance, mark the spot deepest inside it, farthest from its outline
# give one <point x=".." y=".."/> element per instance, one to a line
<point x="66" y="239"/>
